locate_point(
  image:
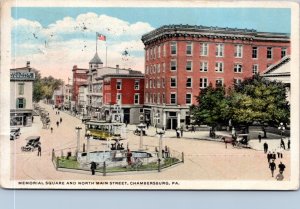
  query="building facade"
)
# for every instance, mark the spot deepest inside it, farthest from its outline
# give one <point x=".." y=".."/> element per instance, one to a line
<point x="83" y="99"/>
<point x="123" y="94"/>
<point x="21" y="93"/>
<point x="180" y="60"/>
<point x="68" y="89"/>
<point x="79" y="78"/>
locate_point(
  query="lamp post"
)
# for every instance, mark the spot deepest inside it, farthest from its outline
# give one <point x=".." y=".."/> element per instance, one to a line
<point x="88" y="136"/>
<point x="141" y="127"/>
<point x="160" y="133"/>
<point x="78" y="138"/>
<point x="281" y="128"/>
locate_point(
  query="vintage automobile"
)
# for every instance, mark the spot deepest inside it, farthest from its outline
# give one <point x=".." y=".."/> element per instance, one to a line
<point x="15" y="133"/>
<point x="33" y="142"/>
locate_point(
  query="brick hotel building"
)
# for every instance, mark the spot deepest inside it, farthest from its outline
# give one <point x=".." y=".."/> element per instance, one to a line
<point x="180" y="60"/>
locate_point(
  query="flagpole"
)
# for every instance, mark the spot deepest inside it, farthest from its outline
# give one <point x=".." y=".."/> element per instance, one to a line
<point x="96" y="41"/>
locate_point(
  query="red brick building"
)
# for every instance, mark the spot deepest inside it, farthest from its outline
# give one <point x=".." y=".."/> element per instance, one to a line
<point x="126" y="91"/>
<point x="180" y="60"/>
<point x="79" y="78"/>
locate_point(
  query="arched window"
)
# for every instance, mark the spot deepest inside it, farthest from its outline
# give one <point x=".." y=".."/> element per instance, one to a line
<point x="21" y="103"/>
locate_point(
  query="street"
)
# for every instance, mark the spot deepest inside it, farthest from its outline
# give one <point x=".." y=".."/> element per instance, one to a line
<point x="204" y="160"/>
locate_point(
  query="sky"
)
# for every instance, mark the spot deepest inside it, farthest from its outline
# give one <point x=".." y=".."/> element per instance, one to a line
<point x="56" y="39"/>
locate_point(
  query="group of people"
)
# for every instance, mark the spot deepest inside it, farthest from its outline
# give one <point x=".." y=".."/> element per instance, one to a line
<point x="179" y="132"/>
<point x="271" y="157"/>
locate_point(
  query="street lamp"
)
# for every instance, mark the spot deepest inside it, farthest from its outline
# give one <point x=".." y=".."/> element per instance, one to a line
<point x="78" y="138"/>
<point x="160" y="133"/>
<point x="141" y="127"/>
<point x="88" y="137"/>
<point x="281" y="128"/>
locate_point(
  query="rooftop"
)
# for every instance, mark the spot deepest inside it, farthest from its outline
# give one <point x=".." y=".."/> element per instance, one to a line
<point x="197" y="31"/>
<point x="96" y="59"/>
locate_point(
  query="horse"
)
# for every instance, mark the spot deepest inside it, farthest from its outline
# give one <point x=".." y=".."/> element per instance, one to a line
<point x="227" y="140"/>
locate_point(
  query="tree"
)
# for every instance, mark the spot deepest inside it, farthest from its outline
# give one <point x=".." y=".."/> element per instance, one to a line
<point x="213" y="107"/>
<point x="259" y="100"/>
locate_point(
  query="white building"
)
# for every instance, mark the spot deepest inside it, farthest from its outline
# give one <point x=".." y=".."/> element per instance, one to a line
<point x="21" y="93"/>
<point x="280" y="71"/>
<point x="67" y="96"/>
<point x="82" y="98"/>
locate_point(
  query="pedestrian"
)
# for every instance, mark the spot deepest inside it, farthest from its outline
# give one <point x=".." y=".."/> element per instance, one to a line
<point x="193" y="128"/>
<point x="148" y="124"/>
<point x="273" y="156"/>
<point x="93" y="167"/>
<point x="259" y="138"/>
<point x="129" y="155"/>
<point x="57" y="123"/>
<point x="266" y="147"/>
<point x="51" y="130"/>
<point x="58" y="112"/>
<point x="281" y="167"/>
<point x="60" y="120"/>
<point x="167" y="152"/>
<point x="32" y="118"/>
<point x="282" y="143"/>
<point x="177" y="133"/>
<point x="279" y="177"/>
<point x="272" y="167"/>
<point x="181" y="131"/>
<point x="39" y="150"/>
<point x="269" y="157"/>
<point x="126" y="123"/>
<point x="289" y="144"/>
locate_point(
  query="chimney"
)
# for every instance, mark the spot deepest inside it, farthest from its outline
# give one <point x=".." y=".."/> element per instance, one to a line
<point x="117" y="69"/>
<point x="28" y="64"/>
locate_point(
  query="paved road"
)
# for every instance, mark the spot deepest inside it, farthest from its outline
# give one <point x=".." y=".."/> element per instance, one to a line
<point x="204" y="160"/>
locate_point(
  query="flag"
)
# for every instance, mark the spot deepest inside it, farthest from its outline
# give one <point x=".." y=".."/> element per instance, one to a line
<point x="101" y="37"/>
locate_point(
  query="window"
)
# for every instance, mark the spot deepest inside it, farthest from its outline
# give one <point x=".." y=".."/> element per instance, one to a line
<point x="269" y="53"/>
<point x="147" y="70"/>
<point x="189" y="48"/>
<point x="188" y="98"/>
<point x="163" y="67"/>
<point x="189" y="82"/>
<point x="238" y="51"/>
<point x="141" y="110"/>
<point x="188" y="66"/>
<point x="237" y="81"/>
<point x="137" y="85"/>
<point x="283" y="52"/>
<point x="238" y="68"/>
<point x="173" y="48"/>
<point x="158" y="83"/>
<point x="147" y="54"/>
<point x="219" y="67"/>
<point x="136" y="98"/>
<point x="150" y="84"/>
<point x="151" y="98"/>
<point x="163" y="98"/>
<point x="21" y="88"/>
<point x="153" y="67"/>
<point x="219" y="82"/>
<point x="158" y="55"/>
<point x="203" y="66"/>
<point x="173" y="98"/>
<point x="158" y="68"/>
<point x="154" y="50"/>
<point x="119" y="84"/>
<point x="164" y="50"/>
<point x="154" y="98"/>
<point x="255" y="69"/>
<point x="173" y="65"/>
<point x="163" y="83"/>
<point x="147" y="97"/>
<point x="146" y="83"/>
<point x="254" y="52"/>
<point x="158" y="98"/>
<point x="204" y="49"/>
<point x="219" y="50"/>
<point x="21" y="103"/>
<point x="154" y="83"/>
<point x="173" y="82"/>
<point x="203" y="83"/>
<point x="119" y="98"/>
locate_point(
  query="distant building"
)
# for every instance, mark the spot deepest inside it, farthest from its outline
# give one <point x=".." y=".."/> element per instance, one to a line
<point x="124" y="93"/>
<point x="181" y="60"/>
<point x="68" y="89"/>
<point x="58" y="97"/>
<point x="21" y="93"/>
<point x="280" y="71"/>
<point x="79" y="78"/>
<point x="82" y="99"/>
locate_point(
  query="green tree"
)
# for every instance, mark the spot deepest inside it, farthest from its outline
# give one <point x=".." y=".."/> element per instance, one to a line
<point x="213" y="107"/>
<point x="259" y="100"/>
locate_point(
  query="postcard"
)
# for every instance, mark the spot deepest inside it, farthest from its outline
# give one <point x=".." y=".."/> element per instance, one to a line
<point x="149" y="95"/>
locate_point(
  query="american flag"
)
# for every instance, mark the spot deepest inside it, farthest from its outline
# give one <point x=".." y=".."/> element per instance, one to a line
<point x="101" y="37"/>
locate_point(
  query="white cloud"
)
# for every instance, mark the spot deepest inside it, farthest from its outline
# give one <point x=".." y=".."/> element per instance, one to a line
<point x="71" y="41"/>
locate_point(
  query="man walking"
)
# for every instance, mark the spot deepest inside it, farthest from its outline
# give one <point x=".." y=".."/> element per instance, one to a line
<point x="265" y="147"/>
<point x="281" y="167"/>
<point x="60" y="120"/>
<point x="93" y="167"/>
<point x="51" y="130"/>
<point x="272" y="167"/>
<point x="57" y="123"/>
<point x="259" y="138"/>
<point x="39" y="150"/>
<point x="181" y="131"/>
<point x="282" y="143"/>
<point x="289" y="144"/>
<point x="269" y="157"/>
